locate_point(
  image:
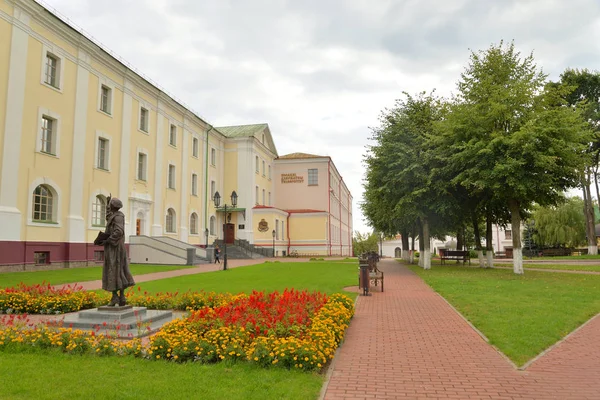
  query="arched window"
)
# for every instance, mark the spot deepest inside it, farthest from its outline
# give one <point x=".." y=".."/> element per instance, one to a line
<point x="170" y="223"/>
<point x="194" y="224"/>
<point x="43" y="204"/>
<point x="213" y="222"/>
<point x="99" y="211"/>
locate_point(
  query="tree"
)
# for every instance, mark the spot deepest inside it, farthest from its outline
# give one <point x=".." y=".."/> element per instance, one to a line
<point x="514" y="136"/>
<point x="562" y="225"/>
<point x="362" y="243"/>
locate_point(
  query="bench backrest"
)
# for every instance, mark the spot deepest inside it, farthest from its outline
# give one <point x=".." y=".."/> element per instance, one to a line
<point x="456" y="253"/>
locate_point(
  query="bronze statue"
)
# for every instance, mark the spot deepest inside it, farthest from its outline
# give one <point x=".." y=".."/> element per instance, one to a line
<point x="116" y="276"/>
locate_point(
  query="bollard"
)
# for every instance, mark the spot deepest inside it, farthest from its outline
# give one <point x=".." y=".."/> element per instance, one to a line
<point x="364" y="280"/>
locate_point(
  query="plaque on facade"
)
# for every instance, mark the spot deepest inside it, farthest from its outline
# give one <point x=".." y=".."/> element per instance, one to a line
<point x="292" y="178"/>
<point x="263" y="226"/>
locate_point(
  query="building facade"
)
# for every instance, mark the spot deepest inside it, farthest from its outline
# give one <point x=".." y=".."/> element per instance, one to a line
<point x="77" y="126"/>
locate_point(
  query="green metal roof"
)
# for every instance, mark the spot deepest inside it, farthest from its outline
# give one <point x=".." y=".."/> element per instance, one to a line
<point x="242" y="130"/>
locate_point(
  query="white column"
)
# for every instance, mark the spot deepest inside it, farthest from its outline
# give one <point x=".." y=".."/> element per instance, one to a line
<point x="246" y="182"/>
<point x="159" y="186"/>
<point x="75" y="222"/>
<point x="184" y="195"/>
<point x="10" y="215"/>
<point x="126" y="156"/>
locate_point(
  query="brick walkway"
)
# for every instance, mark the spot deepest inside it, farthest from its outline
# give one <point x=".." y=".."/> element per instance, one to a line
<point x="408" y="343"/>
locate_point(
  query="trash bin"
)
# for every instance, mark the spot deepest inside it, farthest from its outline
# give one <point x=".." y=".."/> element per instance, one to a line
<point x="363" y="278"/>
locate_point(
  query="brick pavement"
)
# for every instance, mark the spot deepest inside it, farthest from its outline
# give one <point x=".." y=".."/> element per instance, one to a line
<point x="408" y="343"/>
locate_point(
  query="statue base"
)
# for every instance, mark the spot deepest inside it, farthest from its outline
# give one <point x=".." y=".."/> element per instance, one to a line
<point x="122" y="322"/>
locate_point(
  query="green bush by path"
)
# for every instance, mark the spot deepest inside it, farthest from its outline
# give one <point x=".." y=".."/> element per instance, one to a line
<point x="520" y="314"/>
<point x="87" y="377"/>
<point x="326" y="277"/>
<point x="71" y="275"/>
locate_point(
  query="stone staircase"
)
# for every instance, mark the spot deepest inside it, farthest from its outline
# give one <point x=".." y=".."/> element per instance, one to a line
<point x="243" y="250"/>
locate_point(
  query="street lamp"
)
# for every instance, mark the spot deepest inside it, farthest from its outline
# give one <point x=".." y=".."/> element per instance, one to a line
<point x="273" y="242"/>
<point x="217" y="200"/>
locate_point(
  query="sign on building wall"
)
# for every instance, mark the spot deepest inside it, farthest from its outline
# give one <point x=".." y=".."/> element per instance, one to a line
<point x="292" y="178"/>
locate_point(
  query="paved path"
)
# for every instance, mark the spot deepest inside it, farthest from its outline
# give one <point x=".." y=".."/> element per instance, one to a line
<point x="408" y="343"/>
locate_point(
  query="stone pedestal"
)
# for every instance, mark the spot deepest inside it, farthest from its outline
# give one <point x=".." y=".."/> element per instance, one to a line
<point x="121" y="322"/>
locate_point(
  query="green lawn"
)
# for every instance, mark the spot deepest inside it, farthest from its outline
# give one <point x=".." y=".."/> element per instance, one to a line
<point x="327" y="277"/>
<point x="53" y="375"/>
<point x="521" y="315"/>
<point x="70" y="275"/>
<point x="567" y="267"/>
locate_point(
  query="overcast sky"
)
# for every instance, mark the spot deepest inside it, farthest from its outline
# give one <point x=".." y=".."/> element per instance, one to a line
<point x="319" y="72"/>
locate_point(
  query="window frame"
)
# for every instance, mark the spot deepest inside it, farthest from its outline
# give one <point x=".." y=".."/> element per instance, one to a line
<point x="194" y="184"/>
<point x="141" y="152"/>
<point x="316" y="177"/>
<point x="144" y="129"/>
<point x="171" y="220"/>
<point x="173" y="135"/>
<point x="213" y="157"/>
<point x="60" y="68"/>
<point x="107" y="156"/>
<point x="171" y="177"/>
<point x="257" y="165"/>
<point x="102" y="216"/>
<point x="195" y="147"/>
<point x="194" y="223"/>
<point x="44" y="113"/>
<point x="212" y="225"/>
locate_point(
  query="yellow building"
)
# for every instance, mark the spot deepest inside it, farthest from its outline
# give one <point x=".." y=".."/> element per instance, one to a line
<point x="77" y="125"/>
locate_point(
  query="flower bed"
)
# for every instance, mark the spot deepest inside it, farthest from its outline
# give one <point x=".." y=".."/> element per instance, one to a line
<point x="45" y="299"/>
<point x="294" y="329"/>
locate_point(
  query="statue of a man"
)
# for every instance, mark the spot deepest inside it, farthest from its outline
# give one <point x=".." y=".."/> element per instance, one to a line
<point x="116" y="276"/>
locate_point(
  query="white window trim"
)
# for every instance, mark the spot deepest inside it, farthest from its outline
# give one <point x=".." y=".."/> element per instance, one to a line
<point x="139" y="151"/>
<point x="57" y="195"/>
<point x="60" y="70"/>
<point x="256" y="192"/>
<point x="56" y="130"/>
<point x="256" y="161"/>
<point x="171" y="163"/>
<point x="103" y="135"/>
<point x="215" y="231"/>
<point x="93" y="196"/>
<point x="174" y="220"/>
<point x="172" y="123"/>
<point x="213" y="162"/>
<point x="197" y="149"/>
<point x="147" y="107"/>
<point x="212" y="193"/>
<point x="269" y="172"/>
<point x="192" y="211"/>
<point x="192" y="184"/>
<point x="105" y="82"/>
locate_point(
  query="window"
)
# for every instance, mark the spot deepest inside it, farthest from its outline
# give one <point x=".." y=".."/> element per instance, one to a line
<point x="270" y="199"/>
<point x="41" y="257"/>
<point x="171" y="177"/>
<point x="170" y="221"/>
<point x="313" y="177"/>
<point x="173" y="135"/>
<point x="103" y="153"/>
<point x="269" y="172"/>
<point x="507" y="234"/>
<point x="52" y="70"/>
<point x="263" y="170"/>
<point x="213" y="222"/>
<point x="213" y="189"/>
<point x="144" y="119"/>
<point x="98" y="255"/>
<point x="282" y="231"/>
<point x="213" y="157"/>
<point x="277" y="229"/>
<point x="263" y="197"/>
<point x="105" y="99"/>
<point x="194" y="224"/>
<point x="99" y="211"/>
<point x="43" y="204"/>
<point x="256" y="160"/>
<point x="194" y="185"/>
<point x="263" y="138"/>
<point x="256" y="195"/>
<point x="195" y="147"/>
<point x="142" y="163"/>
<point x="48" y="135"/>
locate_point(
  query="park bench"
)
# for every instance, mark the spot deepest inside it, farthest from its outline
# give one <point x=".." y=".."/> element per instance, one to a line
<point x="375" y="275"/>
<point x="455" y="255"/>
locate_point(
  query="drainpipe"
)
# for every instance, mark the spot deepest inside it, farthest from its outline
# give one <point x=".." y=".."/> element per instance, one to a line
<point x="329" y="201"/>
<point x="288" y="233"/>
<point x="340" y="201"/>
<point x="206" y="181"/>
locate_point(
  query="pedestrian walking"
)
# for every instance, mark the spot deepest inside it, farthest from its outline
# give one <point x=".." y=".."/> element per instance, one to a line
<point x="217" y="253"/>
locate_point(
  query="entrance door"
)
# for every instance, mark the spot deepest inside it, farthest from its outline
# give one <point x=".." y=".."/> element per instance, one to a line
<point x="229" y="233"/>
<point x="138" y="227"/>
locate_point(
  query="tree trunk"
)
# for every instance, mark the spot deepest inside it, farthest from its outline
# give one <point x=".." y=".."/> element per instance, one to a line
<point x="596" y="183"/>
<point x="459" y="239"/>
<point x="412" y="252"/>
<point x="426" y="245"/>
<point x="515" y="222"/>
<point x="421" y="244"/>
<point x="477" y="240"/>
<point x="589" y="217"/>
<point x="405" y="248"/>
<point x="489" y="242"/>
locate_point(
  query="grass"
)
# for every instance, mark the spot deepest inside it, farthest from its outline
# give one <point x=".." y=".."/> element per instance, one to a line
<point x="53" y="375"/>
<point x="520" y="314"/>
<point x="565" y="267"/>
<point x="327" y="277"/>
<point x="71" y="275"/>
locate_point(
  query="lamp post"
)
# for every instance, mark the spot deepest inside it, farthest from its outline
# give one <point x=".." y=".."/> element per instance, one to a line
<point x="217" y="200"/>
<point x="273" y="242"/>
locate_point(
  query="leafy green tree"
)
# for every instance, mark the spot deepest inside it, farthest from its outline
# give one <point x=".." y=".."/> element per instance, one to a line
<point x="514" y="137"/>
<point x="362" y="243"/>
<point x="562" y="225"/>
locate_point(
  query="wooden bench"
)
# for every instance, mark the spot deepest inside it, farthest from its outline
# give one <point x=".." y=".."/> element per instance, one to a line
<point x="456" y="255"/>
<point x="375" y="275"/>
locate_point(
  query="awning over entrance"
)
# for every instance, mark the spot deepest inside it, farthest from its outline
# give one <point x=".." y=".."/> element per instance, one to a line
<point x="231" y="209"/>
